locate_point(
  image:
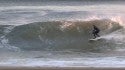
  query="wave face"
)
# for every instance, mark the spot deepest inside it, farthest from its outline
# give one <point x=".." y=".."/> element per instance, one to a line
<point x="62" y="35"/>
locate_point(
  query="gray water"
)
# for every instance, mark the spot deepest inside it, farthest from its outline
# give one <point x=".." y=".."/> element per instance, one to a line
<point x="57" y="2"/>
<point x="56" y="32"/>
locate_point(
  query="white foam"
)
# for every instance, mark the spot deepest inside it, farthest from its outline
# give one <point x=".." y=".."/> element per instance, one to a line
<point x="70" y="8"/>
<point x="75" y="62"/>
<point x="4" y="40"/>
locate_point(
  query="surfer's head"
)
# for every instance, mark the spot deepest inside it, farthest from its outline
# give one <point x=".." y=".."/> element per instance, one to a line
<point x="94" y="26"/>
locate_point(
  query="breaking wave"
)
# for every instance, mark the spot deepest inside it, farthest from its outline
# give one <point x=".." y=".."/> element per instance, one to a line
<point x="64" y="35"/>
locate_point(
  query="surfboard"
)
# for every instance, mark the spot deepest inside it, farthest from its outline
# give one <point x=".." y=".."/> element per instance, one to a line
<point x="96" y="39"/>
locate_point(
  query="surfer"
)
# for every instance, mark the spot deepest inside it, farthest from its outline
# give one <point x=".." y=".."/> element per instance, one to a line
<point x="95" y="31"/>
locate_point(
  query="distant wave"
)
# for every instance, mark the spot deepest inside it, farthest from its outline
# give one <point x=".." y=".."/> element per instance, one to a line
<point x="18" y="15"/>
<point x="110" y="8"/>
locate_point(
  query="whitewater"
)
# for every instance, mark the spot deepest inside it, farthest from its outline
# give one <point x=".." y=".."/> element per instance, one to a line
<point x="58" y="35"/>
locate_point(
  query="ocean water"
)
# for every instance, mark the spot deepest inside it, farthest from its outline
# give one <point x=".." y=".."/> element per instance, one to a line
<point x="56" y="33"/>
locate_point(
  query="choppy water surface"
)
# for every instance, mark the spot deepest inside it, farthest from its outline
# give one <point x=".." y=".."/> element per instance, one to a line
<point x="40" y="33"/>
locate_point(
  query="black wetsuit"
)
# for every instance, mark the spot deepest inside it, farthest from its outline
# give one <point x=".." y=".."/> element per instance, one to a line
<point x="95" y="31"/>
